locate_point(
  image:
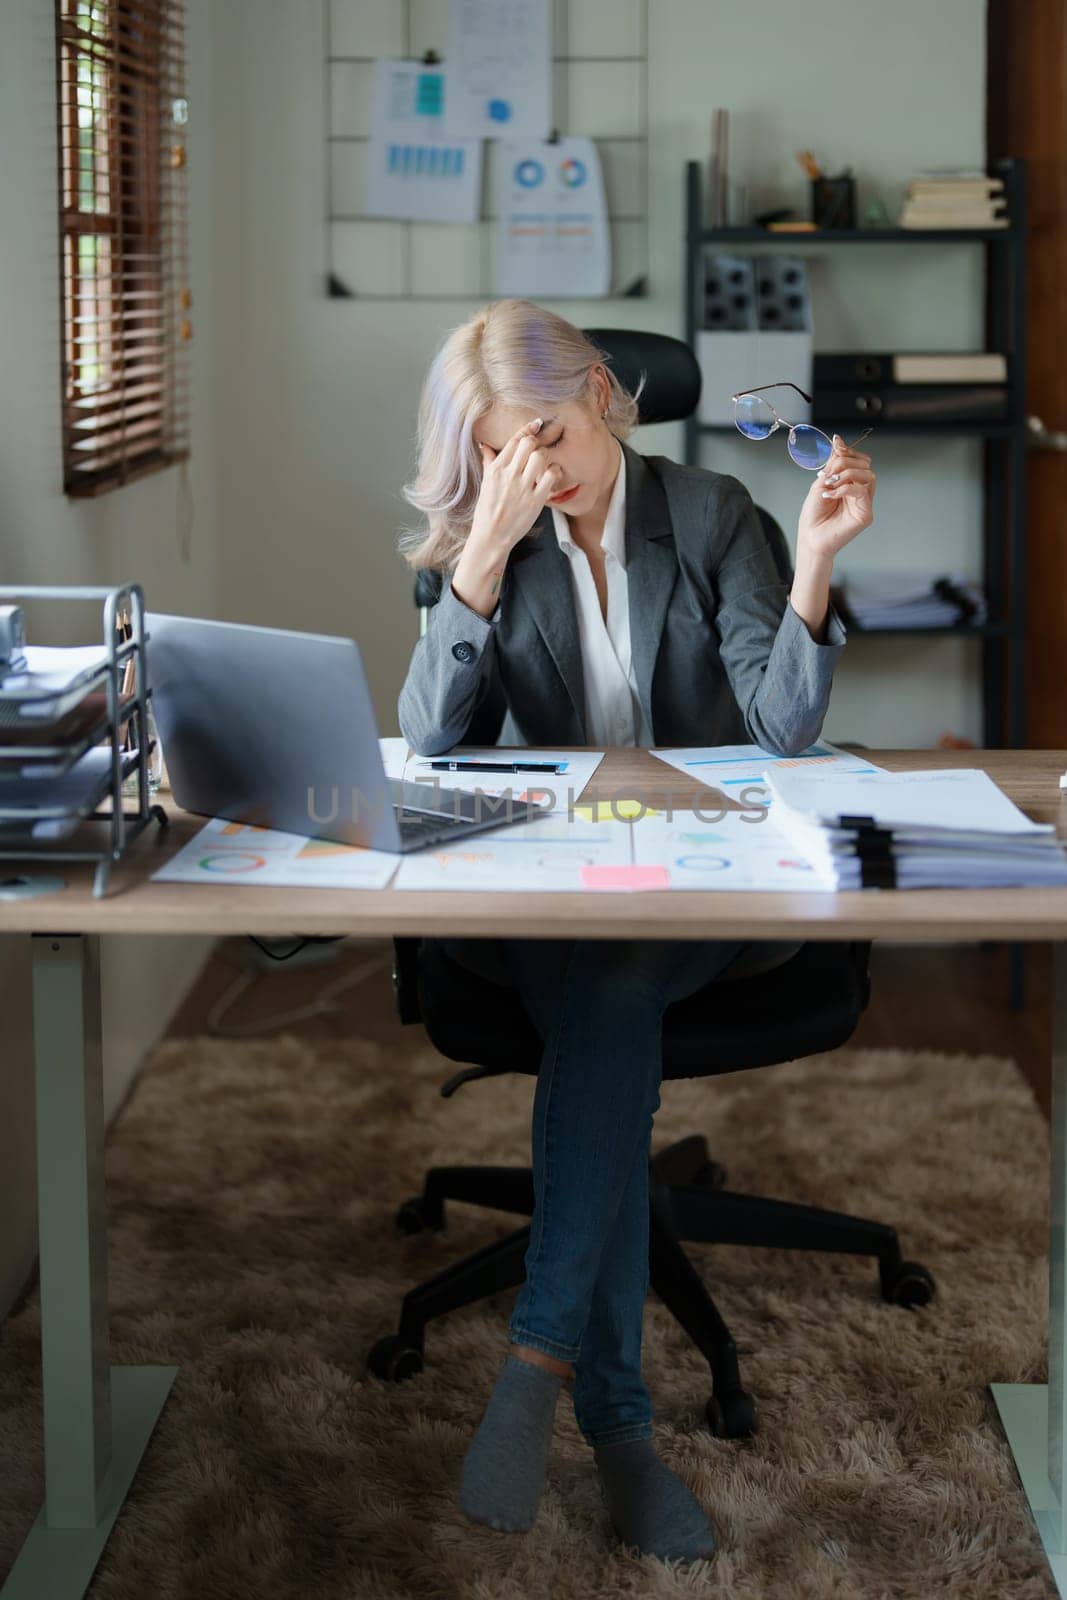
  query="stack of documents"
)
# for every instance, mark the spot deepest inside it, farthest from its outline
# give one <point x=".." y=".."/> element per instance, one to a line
<point x="910" y="600"/>
<point x="914" y="830"/>
<point x="48" y="680"/>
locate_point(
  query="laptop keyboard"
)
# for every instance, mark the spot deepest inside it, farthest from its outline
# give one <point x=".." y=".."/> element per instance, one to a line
<point x="414" y="824"/>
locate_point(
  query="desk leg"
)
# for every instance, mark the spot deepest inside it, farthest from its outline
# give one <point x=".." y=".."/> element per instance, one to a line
<point x="97" y="1420"/>
<point x="1035" y="1415"/>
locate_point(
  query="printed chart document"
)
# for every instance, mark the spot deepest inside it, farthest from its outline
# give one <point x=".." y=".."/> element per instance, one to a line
<point x="552" y="233"/>
<point x="741" y="850"/>
<point x="736" y="767"/>
<point x="499" y="69"/>
<point x="239" y="853"/>
<point x="578" y="767"/>
<point x="553" y="852"/>
<point x="415" y="171"/>
<point x="735" y="850"/>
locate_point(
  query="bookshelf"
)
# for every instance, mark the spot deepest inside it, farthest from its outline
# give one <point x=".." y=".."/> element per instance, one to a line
<point x="1004" y="443"/>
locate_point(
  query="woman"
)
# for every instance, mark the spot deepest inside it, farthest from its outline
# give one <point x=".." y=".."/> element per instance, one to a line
<point x="606" y="598"/>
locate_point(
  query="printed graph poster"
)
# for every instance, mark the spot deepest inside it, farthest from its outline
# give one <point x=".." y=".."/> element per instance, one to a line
<point x="499" y="69"/>
<point x="552" y="236"/>
<point x="415" y="172"/>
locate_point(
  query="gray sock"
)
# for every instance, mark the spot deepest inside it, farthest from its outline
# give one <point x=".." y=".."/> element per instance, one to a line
<point x="650" y="1506"/>
<point x="504" y="1469"/>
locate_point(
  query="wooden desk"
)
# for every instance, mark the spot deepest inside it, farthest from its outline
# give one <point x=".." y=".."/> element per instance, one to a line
<point x="98" y="1419"/>
<point x="136" y="905"/>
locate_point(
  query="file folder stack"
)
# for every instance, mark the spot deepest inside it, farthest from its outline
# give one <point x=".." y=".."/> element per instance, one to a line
<point x="64" y="714"/>
<point x="880" y="600"/>
<point x="913" y="830"/>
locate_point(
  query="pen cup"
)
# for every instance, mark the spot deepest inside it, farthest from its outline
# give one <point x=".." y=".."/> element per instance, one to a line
<point x="833" y="202"/>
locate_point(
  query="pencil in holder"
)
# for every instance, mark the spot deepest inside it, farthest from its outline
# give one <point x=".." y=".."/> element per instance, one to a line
<point x="833" y="202"/>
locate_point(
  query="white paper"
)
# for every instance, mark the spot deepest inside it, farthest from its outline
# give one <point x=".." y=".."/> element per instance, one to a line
<point x="415" y="171"/>
<point x="239" y="853"/>
<point x="944" y="828"/>
<point x="51" y="670"/>
<point x="737" y="769"/>
<point x="499" y="69"/>
<point x="743" y="851"/>
<point x="552" y="233"/>
<point x="957" y="798"/>
<point x="596" y="856"/>
<point x="77" y="790"/>
<point x="549" y="853"/>
<point x="560" y="788"/>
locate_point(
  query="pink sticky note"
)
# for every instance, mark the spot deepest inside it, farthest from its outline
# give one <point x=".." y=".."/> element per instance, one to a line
<point x="625" y="878"/>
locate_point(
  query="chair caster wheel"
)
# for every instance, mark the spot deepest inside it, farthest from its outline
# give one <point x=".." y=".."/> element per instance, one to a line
<point x="710" y="1176"/>
<point x="908" y="1285"/>
<point x="394" y="1360"/>
<point x="732" y="1415"/>
<point x="416" y="1216"/>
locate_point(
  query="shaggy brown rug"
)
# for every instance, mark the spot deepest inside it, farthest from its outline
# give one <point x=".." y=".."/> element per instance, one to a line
<point x="252" y="1192"/>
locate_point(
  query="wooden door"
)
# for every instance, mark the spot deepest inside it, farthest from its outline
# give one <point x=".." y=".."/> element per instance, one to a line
<point x="1027" y="116"/>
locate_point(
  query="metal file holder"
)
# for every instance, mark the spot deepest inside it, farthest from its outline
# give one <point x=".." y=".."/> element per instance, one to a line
<point x="123" y="825"/>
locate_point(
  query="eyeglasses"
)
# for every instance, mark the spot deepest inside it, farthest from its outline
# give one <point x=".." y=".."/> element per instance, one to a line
<point x="756" y="418"/>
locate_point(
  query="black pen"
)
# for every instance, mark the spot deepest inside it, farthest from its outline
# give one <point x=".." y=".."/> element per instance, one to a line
<point x="497" y="766"/>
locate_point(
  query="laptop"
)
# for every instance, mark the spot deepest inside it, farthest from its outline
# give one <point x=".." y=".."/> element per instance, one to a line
<point x="276" y="728"/>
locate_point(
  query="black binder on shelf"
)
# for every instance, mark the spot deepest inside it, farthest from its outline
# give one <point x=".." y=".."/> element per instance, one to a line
<point x="63" y="715"/>
<point x="911" y="402"/>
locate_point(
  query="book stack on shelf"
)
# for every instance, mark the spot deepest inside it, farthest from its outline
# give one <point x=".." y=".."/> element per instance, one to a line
<point x="74" y="726"/>
<point x="876" y="601"/>
<point x="954" y="200"/>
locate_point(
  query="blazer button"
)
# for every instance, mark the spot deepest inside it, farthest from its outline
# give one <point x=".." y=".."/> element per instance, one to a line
<point x="463" y="651"/>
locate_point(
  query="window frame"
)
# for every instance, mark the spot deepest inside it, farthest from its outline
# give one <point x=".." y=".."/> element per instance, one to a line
<point x="122" y="301"/>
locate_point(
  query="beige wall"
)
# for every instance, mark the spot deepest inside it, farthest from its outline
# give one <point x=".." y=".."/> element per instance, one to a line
<point x="45" y="538"/>
<point x="319" y="396"/>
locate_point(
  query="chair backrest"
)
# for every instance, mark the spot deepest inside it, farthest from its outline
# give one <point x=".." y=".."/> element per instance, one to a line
<point x="670" y="370"/>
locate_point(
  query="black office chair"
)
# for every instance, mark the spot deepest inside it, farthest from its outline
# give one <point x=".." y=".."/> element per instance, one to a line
<point x="811" y="1003"/>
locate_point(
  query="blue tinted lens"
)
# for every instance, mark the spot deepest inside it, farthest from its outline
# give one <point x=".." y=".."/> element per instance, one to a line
<point x="810" y="448"/>
<point x="753" y="416"/>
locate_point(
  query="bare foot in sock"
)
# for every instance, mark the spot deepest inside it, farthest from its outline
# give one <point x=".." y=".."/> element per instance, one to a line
<point x="504" y="1469"/>
<point x="650" y="1506"/>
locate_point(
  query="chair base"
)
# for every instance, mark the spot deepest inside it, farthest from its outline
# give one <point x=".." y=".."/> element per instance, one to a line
<point x="687" y="1203"/>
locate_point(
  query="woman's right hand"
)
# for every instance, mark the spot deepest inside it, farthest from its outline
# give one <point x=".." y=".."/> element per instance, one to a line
<point x="517" y="482"/>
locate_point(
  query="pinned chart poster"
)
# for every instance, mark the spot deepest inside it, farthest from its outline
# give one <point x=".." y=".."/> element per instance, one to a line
<point x="415" y="171"/>
<point x="552" y="235"/>
<point x="499" y="69"/>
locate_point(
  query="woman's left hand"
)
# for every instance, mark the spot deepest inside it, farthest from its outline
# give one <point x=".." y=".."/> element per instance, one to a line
<point x="839" y="504"/>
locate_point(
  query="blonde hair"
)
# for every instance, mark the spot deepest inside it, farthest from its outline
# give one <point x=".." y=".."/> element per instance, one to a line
<point x="513" y="352"/>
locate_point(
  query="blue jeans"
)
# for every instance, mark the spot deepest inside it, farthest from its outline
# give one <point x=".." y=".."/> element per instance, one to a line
<point x="598" y="1006"/>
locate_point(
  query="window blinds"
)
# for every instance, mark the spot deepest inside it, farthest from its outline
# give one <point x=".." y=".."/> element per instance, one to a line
<point x="126" y="304"/>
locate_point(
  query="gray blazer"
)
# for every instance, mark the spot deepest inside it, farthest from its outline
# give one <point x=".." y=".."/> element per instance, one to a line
<point x="719" y="655"/>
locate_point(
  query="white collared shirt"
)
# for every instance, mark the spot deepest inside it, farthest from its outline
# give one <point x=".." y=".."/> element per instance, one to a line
<point x="613" y="713"/>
